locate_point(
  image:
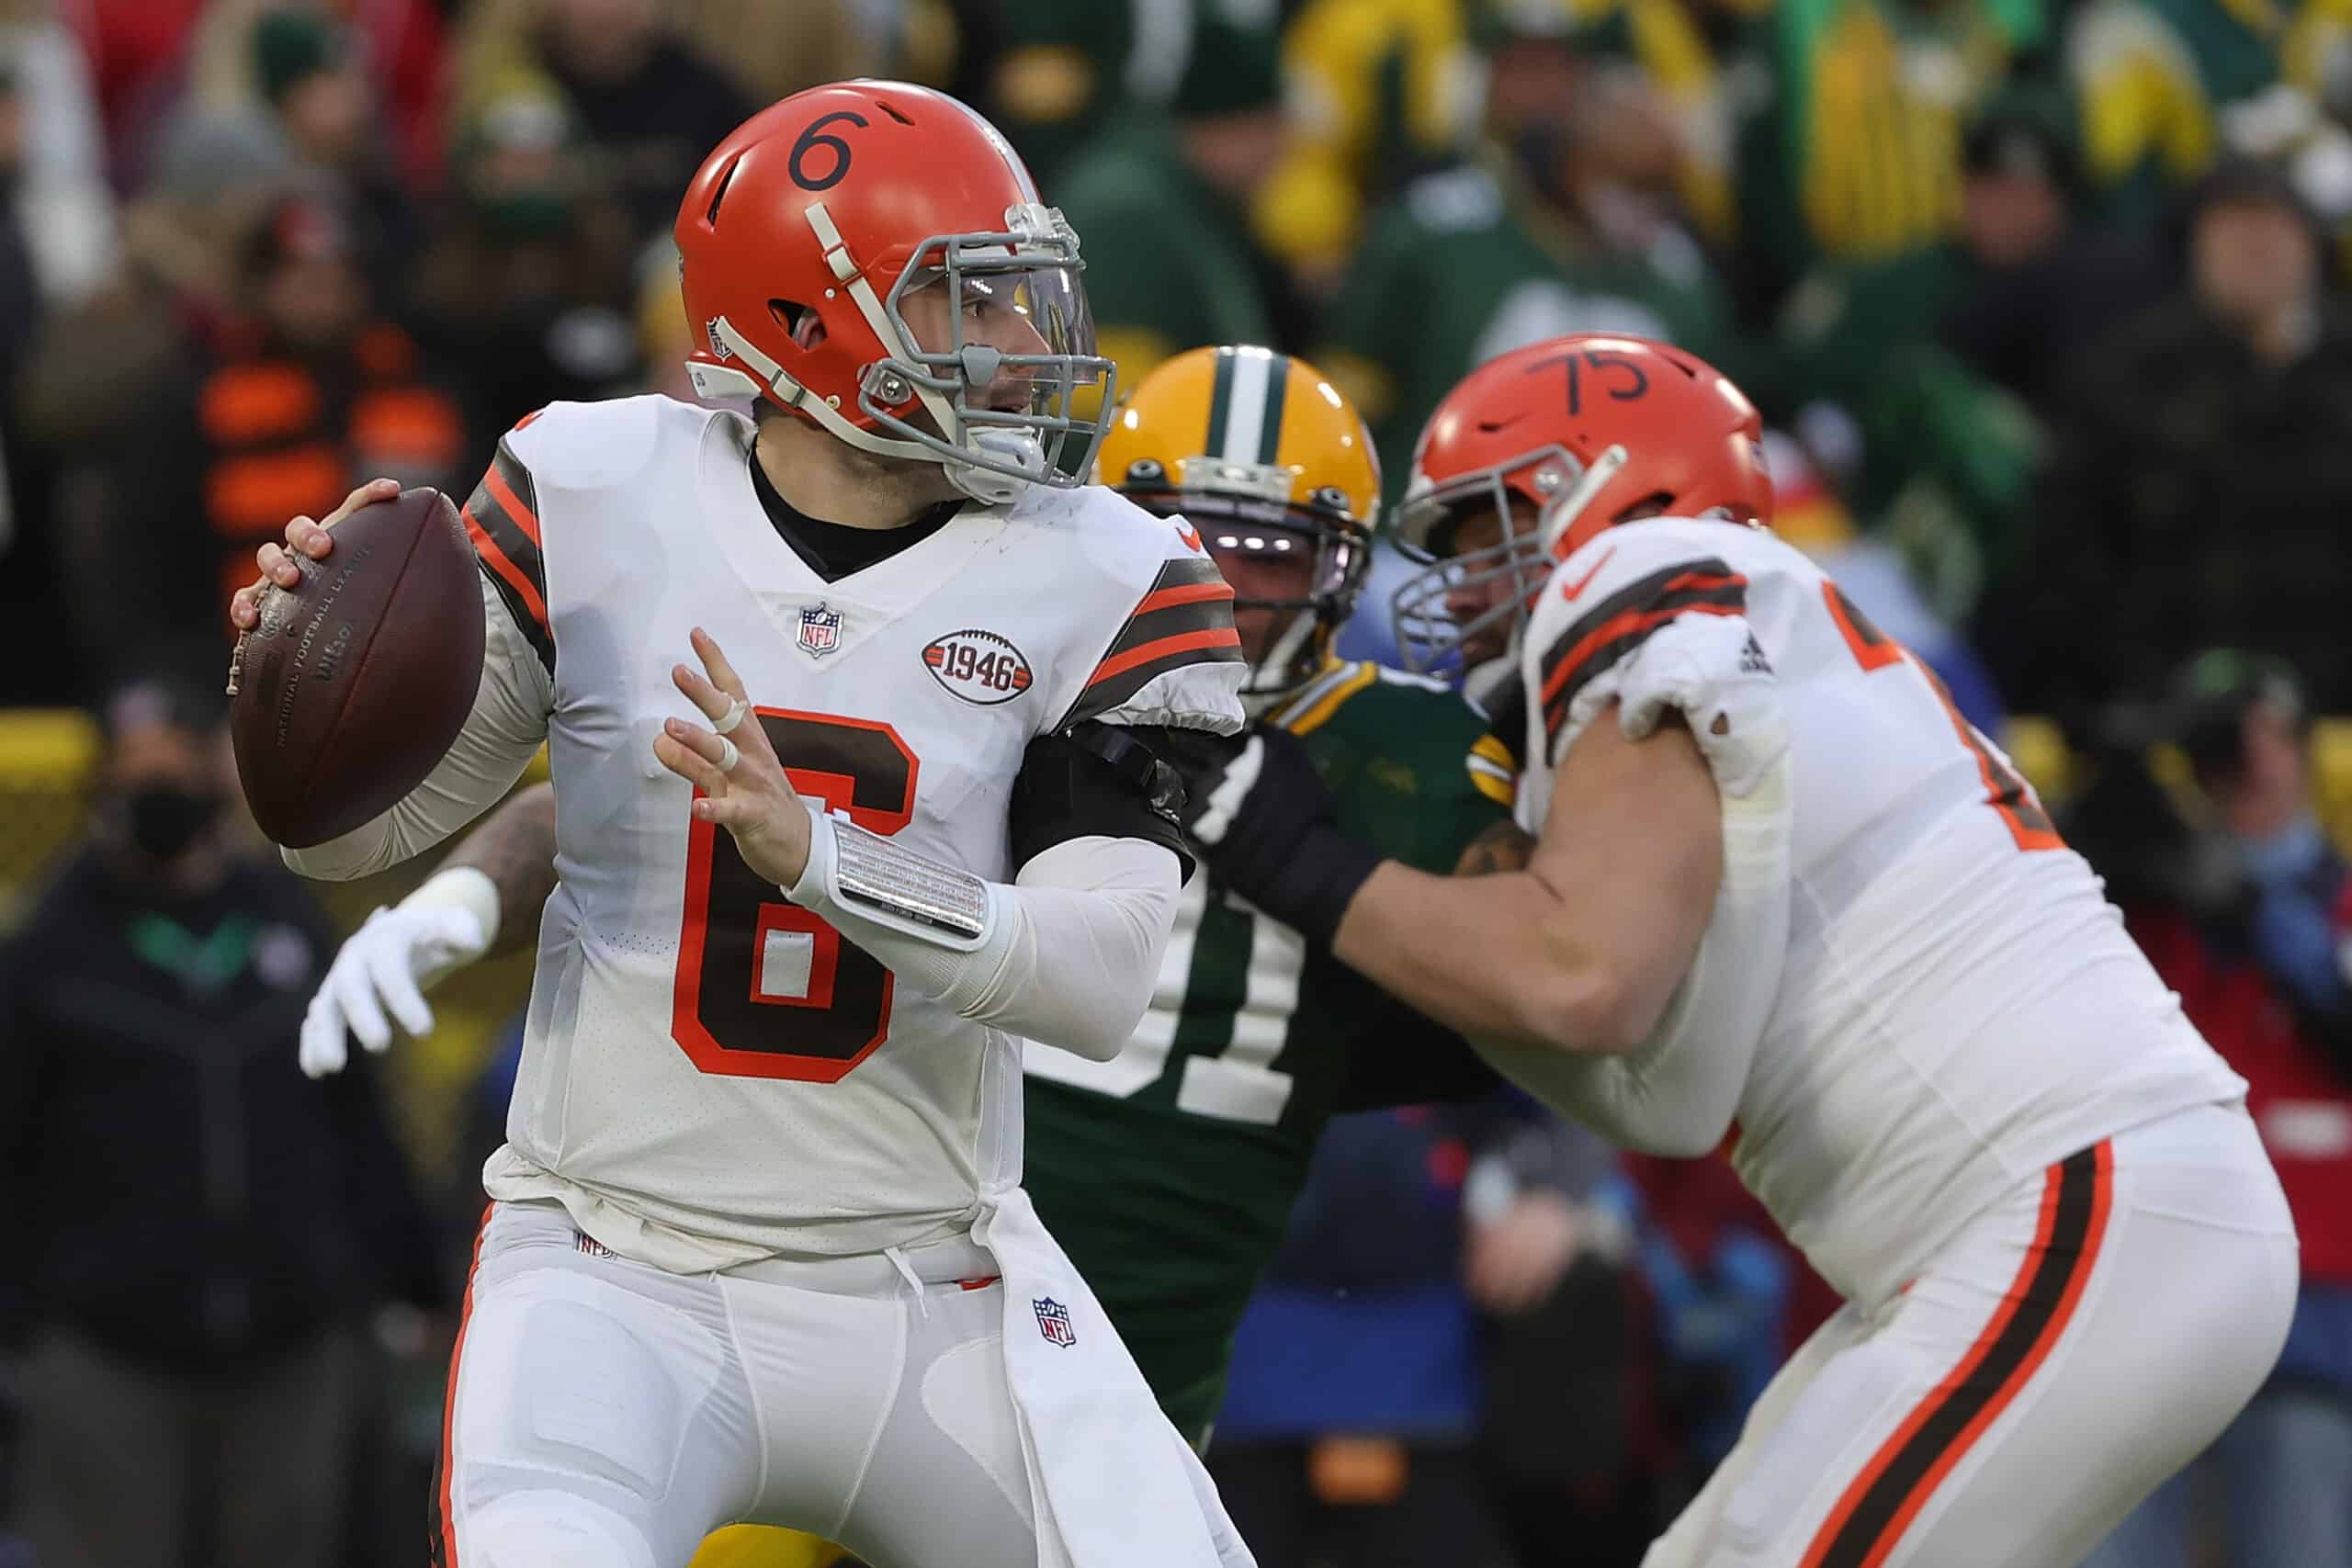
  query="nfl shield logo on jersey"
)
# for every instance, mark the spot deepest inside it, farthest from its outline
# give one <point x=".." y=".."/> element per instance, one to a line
<point x="820" y="630"/>
<point x="1053" y="1322"/>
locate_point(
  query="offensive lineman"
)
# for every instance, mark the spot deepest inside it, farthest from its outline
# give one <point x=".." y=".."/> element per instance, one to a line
<point x="1782" y="892"/>
<point x="756" y="1250"/>
<point x="1167" y="1171"/>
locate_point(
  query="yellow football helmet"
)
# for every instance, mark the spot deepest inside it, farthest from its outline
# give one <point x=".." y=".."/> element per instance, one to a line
<point x="1259" y="453"/>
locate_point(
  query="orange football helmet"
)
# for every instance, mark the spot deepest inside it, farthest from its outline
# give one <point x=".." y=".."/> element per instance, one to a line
<point x="801" y="239"/>
<point x="1562" y="439"/>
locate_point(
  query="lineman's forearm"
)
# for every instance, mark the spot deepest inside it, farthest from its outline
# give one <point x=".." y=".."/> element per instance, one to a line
<point x="1473" y="952"/>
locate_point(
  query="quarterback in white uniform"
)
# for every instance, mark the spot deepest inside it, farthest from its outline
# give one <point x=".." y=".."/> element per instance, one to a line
<point x="757" y="1249"/>
<point x="1780" y="893"/>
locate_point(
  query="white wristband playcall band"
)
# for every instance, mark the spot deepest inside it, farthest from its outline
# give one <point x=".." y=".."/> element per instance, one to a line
<point x="866" y="874"/>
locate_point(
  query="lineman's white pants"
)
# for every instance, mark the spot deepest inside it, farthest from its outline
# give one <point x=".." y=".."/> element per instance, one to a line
<point x="2071" y="1348"/>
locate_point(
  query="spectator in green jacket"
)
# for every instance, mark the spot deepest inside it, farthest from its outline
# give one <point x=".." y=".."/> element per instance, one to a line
<point x="1562" y="219"/>
<point x="1161" y="207"/>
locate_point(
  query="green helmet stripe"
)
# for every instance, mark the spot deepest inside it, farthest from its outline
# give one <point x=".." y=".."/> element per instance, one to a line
<point x="1270" y="424"/>
<point x="1220" y="403"/>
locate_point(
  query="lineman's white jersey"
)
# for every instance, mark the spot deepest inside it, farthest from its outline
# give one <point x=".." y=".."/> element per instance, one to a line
<point x="711" y="1074"/>
<point x="1958" y="1006"/>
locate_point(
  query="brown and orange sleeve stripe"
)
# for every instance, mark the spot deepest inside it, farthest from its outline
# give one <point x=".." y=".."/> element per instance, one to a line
<point x="1616" y="625"/>
<point x="1186" y="618"/>
<point x="503" y="520"/>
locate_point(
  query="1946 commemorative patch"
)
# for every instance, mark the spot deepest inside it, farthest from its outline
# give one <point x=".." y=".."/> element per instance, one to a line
<point x="980" y="667"/>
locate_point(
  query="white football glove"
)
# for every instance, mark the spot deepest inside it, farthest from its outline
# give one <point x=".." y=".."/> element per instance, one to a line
<point x="392" y="960"/>
<point x="1712" y="671"/>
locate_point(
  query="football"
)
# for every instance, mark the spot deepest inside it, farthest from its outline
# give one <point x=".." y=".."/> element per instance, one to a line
<point x="354" y="684"/>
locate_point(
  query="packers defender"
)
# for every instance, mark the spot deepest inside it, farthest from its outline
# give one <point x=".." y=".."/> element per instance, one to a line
<point x="1167" y="1173"/>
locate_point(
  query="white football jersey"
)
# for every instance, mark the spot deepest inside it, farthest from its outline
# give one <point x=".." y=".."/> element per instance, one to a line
<point x="709" y="1072"/>
<point x="1959" y="1007"/>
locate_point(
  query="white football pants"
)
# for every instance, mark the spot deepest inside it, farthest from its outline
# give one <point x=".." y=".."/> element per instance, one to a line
<point x="2071" y="1348"/>
<point x="603" y="1414"/>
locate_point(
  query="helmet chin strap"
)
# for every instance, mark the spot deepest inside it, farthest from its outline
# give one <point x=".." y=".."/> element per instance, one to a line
<point x="763" y="374"/>
<point x="1019" y="447"/>
<point x="1270" y="675"/>
<point x="1485" y="683"/>
<point x="990" y="463"/>
<point x="869" y="305"/>
<point x="1570" y="506"/>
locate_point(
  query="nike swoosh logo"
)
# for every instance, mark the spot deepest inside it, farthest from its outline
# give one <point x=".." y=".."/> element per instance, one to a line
<point x="1570" y="590"/>
<point x="1190" y="534"/>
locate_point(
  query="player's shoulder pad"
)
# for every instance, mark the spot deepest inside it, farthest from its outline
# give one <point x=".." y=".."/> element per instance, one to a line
<point x="597" y="445"/>
<point x="1360" y="694"/>
<point x="1158" y="617"/>
<point x="1609" y="598"/>
<point x="563" y="447"/>
<point x="1415" y="721"/>
<point x="1099" y="532"/>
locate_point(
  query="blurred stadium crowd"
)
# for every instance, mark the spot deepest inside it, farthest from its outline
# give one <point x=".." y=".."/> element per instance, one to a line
<point x="2044" y="304"/>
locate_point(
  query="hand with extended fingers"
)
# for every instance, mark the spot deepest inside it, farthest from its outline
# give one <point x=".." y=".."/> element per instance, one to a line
<point x="742" y="785"/>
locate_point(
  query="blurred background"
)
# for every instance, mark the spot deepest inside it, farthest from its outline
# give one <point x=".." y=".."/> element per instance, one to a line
<point x="2044" y="303"/>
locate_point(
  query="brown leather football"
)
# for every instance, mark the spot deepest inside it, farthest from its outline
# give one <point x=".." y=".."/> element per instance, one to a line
<point x="354" y="684"/>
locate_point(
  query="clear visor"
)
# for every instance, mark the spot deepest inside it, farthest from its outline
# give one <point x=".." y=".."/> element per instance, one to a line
<point x="1000" y="347"/>
<point x="1327" y="560"/>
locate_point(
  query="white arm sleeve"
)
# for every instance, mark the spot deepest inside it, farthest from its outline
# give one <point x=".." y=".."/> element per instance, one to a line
<point x="1071" y="948"/>
<point x="1676" y="1093"/>
<point x="503" y="733"/>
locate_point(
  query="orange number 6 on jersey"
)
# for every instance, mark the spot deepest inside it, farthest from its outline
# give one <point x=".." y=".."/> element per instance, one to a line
<point x="2005" y="791"/>
<point x="766" y="989"/>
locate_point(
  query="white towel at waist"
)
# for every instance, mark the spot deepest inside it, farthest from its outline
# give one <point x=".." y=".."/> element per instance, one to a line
<point x="1115" y="1484"/>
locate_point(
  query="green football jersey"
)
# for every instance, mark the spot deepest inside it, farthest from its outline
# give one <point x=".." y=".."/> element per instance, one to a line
<point x="1168" y="1172"/>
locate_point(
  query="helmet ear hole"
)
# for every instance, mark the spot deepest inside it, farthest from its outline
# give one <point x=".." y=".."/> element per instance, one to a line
<point x="804" y="326"/>
<point x="1657" y="504"/>
<point x="726" y="178"/>
<point x="1145" y="470"/>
